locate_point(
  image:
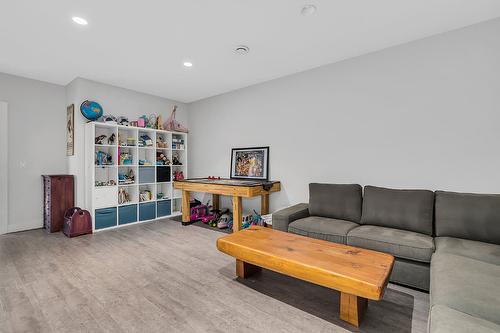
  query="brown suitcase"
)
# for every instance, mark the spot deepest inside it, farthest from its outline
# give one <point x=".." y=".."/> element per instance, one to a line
<point x="58" y="197"/>
<point x="77" y="222"/>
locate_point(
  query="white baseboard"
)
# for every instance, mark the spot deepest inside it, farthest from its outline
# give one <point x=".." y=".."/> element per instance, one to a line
<point x="23" y="227"/>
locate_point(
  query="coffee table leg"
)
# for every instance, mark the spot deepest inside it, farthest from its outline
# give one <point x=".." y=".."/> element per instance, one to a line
<point x="352" y="308"/>
<point x="244" y="269"/>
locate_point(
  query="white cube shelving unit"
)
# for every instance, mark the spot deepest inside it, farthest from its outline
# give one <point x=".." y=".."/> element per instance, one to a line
<point x="104" y="165"/>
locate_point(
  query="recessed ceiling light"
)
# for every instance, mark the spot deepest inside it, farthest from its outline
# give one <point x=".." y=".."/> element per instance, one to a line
<point x="188" y="64"/>
<point x="241" y="49"/>
<point x="79" y="20"/>
<point x="308" y="10"/>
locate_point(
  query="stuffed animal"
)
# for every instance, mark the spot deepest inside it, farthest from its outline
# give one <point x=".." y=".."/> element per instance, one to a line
<point x="111" y="139"/>
<point x="100" y="139"/>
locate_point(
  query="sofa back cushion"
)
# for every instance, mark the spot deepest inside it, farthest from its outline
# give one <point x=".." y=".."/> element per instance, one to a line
<point x="468" y="216"/>
<point x="337" y="201"/>
<point x="411" y="210"/>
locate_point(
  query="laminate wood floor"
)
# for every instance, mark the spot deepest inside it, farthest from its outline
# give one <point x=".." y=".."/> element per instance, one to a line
<point x="163" y="277"/>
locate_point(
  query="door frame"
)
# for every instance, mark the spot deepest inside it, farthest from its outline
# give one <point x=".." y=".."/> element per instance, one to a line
<point x="4" y="168"/>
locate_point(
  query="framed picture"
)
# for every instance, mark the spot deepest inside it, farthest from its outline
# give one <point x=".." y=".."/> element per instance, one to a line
<point x="70" y="130"/>
<point x="250" y="163"/>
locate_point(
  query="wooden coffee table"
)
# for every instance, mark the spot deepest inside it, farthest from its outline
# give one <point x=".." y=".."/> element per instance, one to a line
<point x="357" y="273"/>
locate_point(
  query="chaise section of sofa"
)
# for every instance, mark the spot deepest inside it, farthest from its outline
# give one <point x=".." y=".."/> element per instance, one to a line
<point x="465" y="269"/>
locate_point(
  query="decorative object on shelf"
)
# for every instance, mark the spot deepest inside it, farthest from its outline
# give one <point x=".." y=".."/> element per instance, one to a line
<point x="102" y="158"/>
<point x="159" y="123"/>
<point x="110" y="182"/>
<point x="159" y="196"/>
<point x="161" y="159"/>
<point x="126" y="158"/>
<point x="111" y="139"/>
<point x="145" y="195"/>
<point x="99" y="140"/>
<point x="123" y="196"/>
<point x="178" y="175"/>
<point x="109" y="119"/>
<point x="91" y="110"/>
<point x="58" y="196"/>
<point x="142" y="121"/>
<point x="173" y="125"/>
<point x="77" y="222"/>
<point x="122" y="120"/>
<point x="176" y="160"/>
<point x="250" y="163"/>
<point x="70" y="130"/>
<point x="145" y="141"/>
<point x="160" y="142"/>
<point x="126" y="178"/>
<point x="131" y="141"/>
<point x="134" y="123"/>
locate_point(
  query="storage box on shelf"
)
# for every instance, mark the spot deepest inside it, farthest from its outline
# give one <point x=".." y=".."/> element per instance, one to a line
<point x="129" y="173"/>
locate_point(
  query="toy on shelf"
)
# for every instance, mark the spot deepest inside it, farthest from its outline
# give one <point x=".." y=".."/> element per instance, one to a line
<point x="102" y="158"/>
<point x="126" y="158"/>
<point x="91" y="110"/>
<point x="111" y="139"/>
<point x="110" y="182"/>
<point x="173" y="125"/>
<point x="161" y="159"/>
<point x="134" y="123"/>
<point x="123" y="196"/>
<point x="198" y="212"/>
<point x="224" y="220"/>
<point x="126" y="178"/>
<point x="99" y="140"/>
<point x="145" y="163"/>
<point x="177" y="143"/>
<point x="176" y="160"/>
<point x="122" y="120"/>
<point x="145" y="141"/>
<point x="145" y="195"/>
<point x="159" y="124"/>
<point x="178" y="175"/>
<point x="160" y="142"/>
<point x="108" y="119"/>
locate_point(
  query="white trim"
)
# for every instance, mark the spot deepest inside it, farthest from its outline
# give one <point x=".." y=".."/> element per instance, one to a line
<point x="4" y="191"/>
<point x="24" y="227"/>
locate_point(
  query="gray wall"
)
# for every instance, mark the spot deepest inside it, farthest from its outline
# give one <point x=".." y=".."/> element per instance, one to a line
<point x="36" y="145"/>
<point x="421" y="115"/>
<point x="118" y="102"/>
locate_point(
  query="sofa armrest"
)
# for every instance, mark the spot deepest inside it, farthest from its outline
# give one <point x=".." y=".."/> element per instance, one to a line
<point x="283" y="217"/>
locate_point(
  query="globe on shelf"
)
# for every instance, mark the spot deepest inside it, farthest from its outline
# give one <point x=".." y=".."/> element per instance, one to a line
<point x="91" y="110"/>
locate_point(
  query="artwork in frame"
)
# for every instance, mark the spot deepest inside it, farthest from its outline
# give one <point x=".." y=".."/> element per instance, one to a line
<point x="70" y="130"/>
<point x="250" y="163"/>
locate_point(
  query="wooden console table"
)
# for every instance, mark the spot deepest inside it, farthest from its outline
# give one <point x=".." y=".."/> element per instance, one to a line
<point x="235" y="188"/>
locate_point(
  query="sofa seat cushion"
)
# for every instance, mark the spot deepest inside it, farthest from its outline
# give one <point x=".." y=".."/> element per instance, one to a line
<point x="322" y="228"/>
<point x="444" y="320"/>
<point x="466" y="285"/>
<point x="400" y="243"/>
<point x="410" y="210"/>
<point x="481" y="251"/>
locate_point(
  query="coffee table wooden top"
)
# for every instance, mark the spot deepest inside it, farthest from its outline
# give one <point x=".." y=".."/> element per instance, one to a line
<point x="344" y="268"/>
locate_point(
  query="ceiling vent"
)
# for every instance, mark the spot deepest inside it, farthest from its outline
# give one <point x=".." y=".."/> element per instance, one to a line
<point x="242" y="49"/>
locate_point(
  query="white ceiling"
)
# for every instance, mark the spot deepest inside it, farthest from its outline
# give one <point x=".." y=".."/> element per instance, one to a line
<point x="141" y="45"/>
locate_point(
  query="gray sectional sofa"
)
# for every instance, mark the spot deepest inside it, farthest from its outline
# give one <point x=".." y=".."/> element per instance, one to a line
<point x="445" y="242"/>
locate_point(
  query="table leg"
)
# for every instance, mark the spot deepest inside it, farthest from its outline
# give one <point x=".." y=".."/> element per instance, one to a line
<point x="244" y="269"/>
<point x="186" y="211"/>
<point x="264" y="204"/>
<point x="352" y="308"/>
<point x="216" y="201"/>
<point x="237" y="213"/>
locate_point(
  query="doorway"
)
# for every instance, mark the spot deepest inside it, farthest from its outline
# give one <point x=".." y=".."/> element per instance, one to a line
<point x="4" y="203"/>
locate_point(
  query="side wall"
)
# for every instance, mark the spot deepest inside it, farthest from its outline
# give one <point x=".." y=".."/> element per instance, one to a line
<point x="115" y="101"/>
<point x="36" y="145"/>
<point x="421" y="115"/>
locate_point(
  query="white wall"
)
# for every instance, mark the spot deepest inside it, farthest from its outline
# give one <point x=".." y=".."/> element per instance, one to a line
<point x="115" y="101"/>
<point x="4" y="193"/>
<point x="36" y="145"/>
<point x="421" y="115"/>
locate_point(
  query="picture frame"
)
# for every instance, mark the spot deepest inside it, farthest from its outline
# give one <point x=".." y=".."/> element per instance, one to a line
<point x="250" y="163"/>
<point x="70" y="130"/>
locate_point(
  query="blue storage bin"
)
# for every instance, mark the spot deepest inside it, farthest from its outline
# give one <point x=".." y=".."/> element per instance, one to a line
<point x="105" y="218"/>
<point x="127" y="214"/>
<point x="147" y="174"/>
<point x="163" y="208"/>
<point x="147" y="211"/>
